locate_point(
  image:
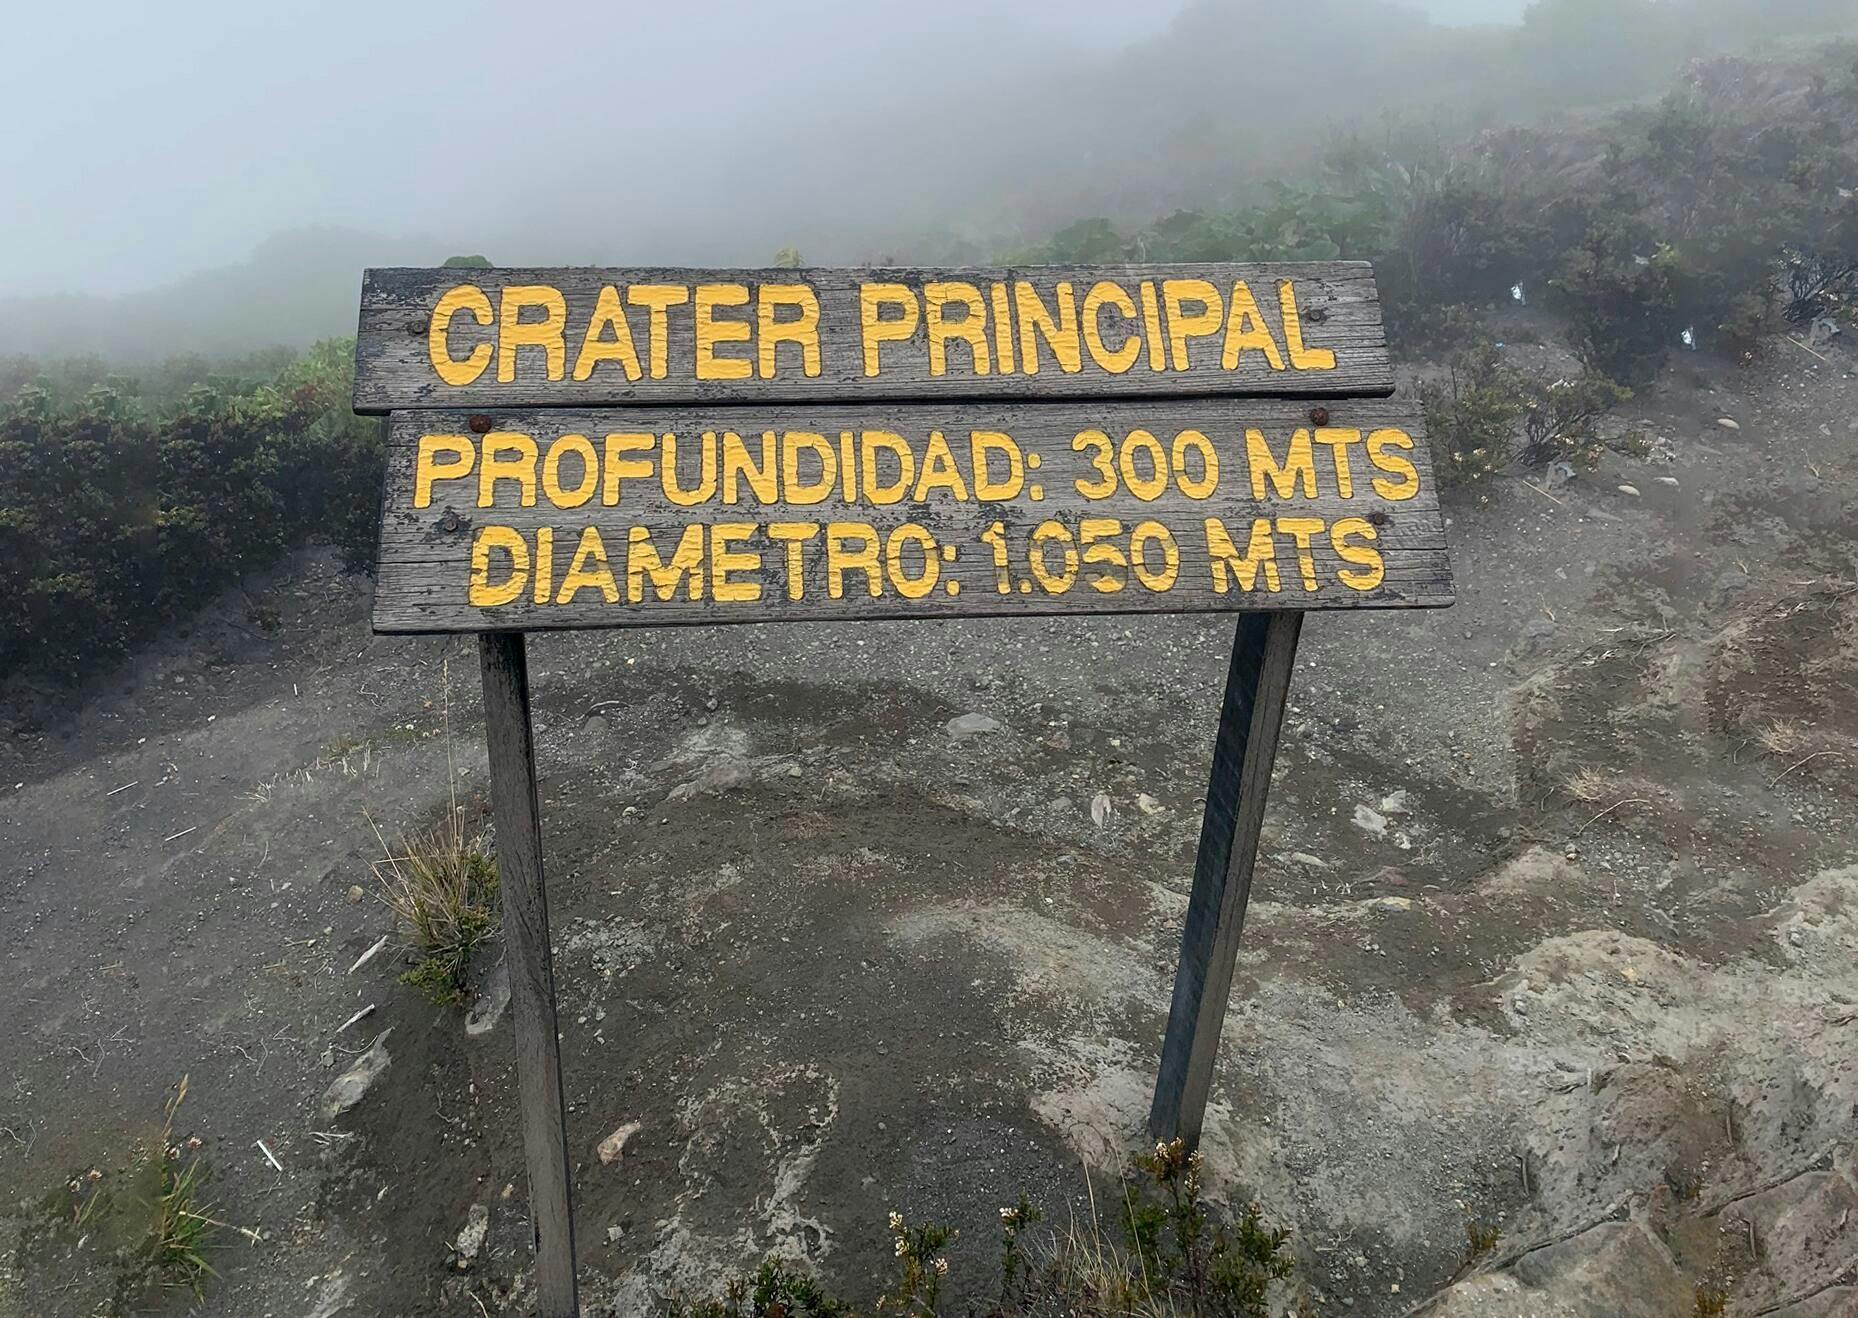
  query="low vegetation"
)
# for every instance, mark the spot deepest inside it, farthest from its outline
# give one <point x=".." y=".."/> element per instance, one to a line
<point x="1172" y="1254"/>
<point x="441" y="885"/>
<point x="149" y="1225"/>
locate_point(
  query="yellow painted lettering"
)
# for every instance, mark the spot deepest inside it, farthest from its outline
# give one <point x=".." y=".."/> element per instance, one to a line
<point x="658" y="299"/>
<point x="771" y="331"/>
<point x="427" y="469"/>
<point x="1003" y="327"/>
<point x="514" y="332"/>
<point x="544" y="565"/>
<point x="724" y="560"/>
<point x="763" y="477"/>
<point x="1300" y="529"/>
<point x="597" y="346"/>
<point x="1103" y="293"/>
<point x="983" y="446"/>
<point x="1298" y="467"/>
<point x="1246" y="328"/>
<point x="581" y="447"/>
<point x="1394" y="464"/>
<point x="642" y="561"/>
<point x="452" y="370"/>
<point x="911" y="587"/>
<point x="482" y="592"/>
<point x="589" y="570"/>
<point x="1365" y="557"/>
<point x="1061" y="334"/>
<point x="1230" y="566"/>
<point x="617" y="468"/>
<point x="842" y="558"/>
<point x="874" y="442"/>
<point x="1176" y="294"/>
<point x="518" y="467"/>
<point x="1338" y="440"/>
<point x="711" y="331"/>
<point x="706" y="472"/>
<point x="1151" y="326"/>
<point x="970" y="328"/>
<point x="875" y="327"/>
<point x="940" y="471"/>
<point x="1301" y="357"/>
<point x="794" y="535"/>
<point x="793" y="444"/>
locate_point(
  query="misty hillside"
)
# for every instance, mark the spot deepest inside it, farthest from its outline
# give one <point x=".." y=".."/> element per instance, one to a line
<point x="1023" y="137"/>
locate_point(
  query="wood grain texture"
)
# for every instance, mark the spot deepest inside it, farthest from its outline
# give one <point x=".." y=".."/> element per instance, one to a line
<point x="1339" y="311"/>
<point x="1264" y="651"/>
<point x="425" y="559"/>
<point x="532" y="976"/>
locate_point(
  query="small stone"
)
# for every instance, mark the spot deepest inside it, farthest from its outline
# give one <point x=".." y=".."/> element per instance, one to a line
<point x="1370" y="821"/>
<point x="1148" y="805"/>
<point x="1797" y="937"/>
<point x="1665" y="480"/>
<point x="1728" y="423"/>
<point x="1394" y="803"/>
<point x="1393" y="903"/>
<point x="1100" y="809"/>
<point x="470" y="1241"/>
<point x="1308" y="861"/>
<point x="491" y="1003"/>
<point x="354" y="893"/>
<point x="971" y="725"/>
<point x="615" y="1234"/>
<point x="352" y="1085"/>
<point x="1633" y="490"/>
<point x="613" y="1146"/>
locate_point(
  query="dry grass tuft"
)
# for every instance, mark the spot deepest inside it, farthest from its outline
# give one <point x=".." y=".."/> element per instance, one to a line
<point x="441" y="885"/>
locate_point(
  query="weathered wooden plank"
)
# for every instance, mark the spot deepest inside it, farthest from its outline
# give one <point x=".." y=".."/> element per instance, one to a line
<point x="594" y="337"/>
<point x="904" y="511"/>
<point x="532" y="976"/>
<point x="1264" y="650"/>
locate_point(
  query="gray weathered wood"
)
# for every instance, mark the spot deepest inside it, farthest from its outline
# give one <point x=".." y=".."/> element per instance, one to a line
<point x="1264" y="650"/>
<point x="425" y="559"/>
<point x="532" y="977"/>
<point x="1339" y="310"/>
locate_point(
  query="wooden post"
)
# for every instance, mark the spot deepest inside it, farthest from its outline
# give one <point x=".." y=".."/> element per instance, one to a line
<point x="1257" y="684"/>
<point x="532" y="976"/>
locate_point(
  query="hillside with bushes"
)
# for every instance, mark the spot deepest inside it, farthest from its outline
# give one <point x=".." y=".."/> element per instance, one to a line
<point x="1717" y="217"/>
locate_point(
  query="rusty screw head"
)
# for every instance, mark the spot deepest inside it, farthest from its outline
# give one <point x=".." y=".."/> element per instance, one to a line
<point x="418" y="327"/>
<point x="1319" y="416"/>
<point x="1317" y="314"/>
<point x="1379" y="518"/>
<point x="479" y="423"/>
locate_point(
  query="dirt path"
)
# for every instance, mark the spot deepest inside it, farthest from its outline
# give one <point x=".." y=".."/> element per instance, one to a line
<point x="1554" y="934"/>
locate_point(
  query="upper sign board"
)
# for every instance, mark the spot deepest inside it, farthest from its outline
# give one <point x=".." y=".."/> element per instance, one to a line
<point x="587" y="337"/>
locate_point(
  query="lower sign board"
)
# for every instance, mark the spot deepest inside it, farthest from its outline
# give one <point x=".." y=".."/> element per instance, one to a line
<point x="558" y="518"/>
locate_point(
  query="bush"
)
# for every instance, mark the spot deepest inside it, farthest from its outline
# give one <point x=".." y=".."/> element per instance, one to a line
<point x="1176" y="1255"/>
<point x="441" y="886"/>
<point x="118" y="517"/>
<point x="1486" y="414"/>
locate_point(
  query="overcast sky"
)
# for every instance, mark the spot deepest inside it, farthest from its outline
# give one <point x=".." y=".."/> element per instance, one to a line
<point x="149" y="140"/>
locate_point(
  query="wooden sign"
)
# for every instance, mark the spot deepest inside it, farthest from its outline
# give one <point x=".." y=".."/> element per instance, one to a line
<point x="609" y="448"/>
<point x="591" y="338"/>
<point x="649" y="516"/>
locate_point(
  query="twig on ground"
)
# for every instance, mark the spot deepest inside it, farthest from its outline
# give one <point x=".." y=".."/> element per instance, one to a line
<point x="1630" y="800"/>
<point x="125" y="787"/>
<point x="368" y="955"/>
<point x="270" y="1157"/>
<point x="183" y="833"/>
<point x="1796" y="764"/>
<point x="1544" y="493"/>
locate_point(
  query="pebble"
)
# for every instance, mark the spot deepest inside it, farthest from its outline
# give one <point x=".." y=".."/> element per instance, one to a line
<point x="971" y="725"/>
<point x="1728" y="423"/>
<point x="1633" y="490"/>
<point x="613" y="1146"/>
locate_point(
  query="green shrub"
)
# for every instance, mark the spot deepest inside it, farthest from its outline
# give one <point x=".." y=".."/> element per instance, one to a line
<point x="119" y="517"/>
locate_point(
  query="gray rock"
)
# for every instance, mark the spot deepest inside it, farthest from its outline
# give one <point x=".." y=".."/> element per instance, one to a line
<point x="352" y="1085"/>
<point x="470" y="1241"/>
<point x="971" y="725"/>
<point x="491" y="1003"/>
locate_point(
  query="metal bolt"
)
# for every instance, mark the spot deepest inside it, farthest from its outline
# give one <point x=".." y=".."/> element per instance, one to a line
<point x="450" y="522"/>
<point x="479" y="423"/>
<point x="1379" y="518"/>
<point x="1316" y="314"/>
<point x="418" y="327"/>
<point x="1319" y="416"/>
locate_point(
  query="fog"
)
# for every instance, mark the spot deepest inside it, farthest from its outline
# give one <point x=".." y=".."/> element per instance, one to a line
<point x="261" y="154"/>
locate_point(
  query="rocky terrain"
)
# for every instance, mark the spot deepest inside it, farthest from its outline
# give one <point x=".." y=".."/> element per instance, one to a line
<point x="1548" y="1001"/>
